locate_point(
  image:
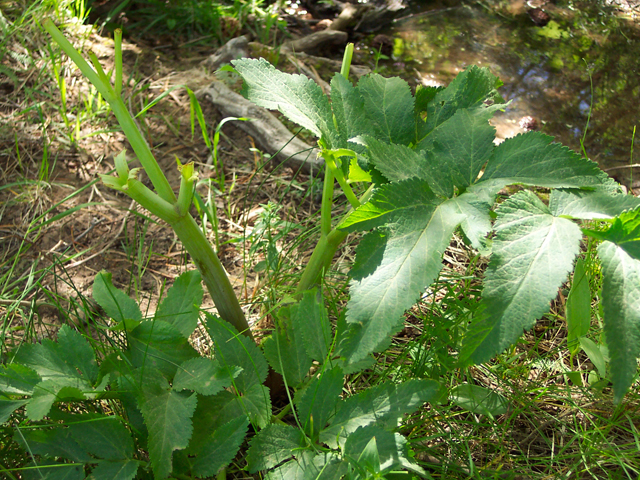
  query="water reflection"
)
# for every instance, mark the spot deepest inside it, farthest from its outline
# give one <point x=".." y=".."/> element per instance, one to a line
<point x="545" y="69"/>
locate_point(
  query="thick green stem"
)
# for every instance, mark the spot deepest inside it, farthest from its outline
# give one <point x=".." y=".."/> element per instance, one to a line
<point x="213" y="274"/>
<point x="129" y="127"/>
<point x="164" y="203"/>
<point x="327" y="202"/>
<point x="320" y="259"/>
<point x="324" y="251"/>
<point x="329" y="159"/>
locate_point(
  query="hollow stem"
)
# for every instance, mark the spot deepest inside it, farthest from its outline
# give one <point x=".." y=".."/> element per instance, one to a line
<point x="213" y="274"/>
<point x="130" y="129"/>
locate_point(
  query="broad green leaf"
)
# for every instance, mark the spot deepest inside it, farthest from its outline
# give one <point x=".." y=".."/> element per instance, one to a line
<point x="533" y="252"/>
<point x="298" y="97"/>
<point x="531" y="159"/>
<point x="589" y="205"/>
<point x="307" y="465"/>
<point x="273" y="445"/>
<point x="624" y="232"/>
<point x="390" y="451"/>
<point x="357" y="173"/>
<point x="56" y="442"/>
<point x="457" y="150"/>
<point x="479" y="400"/>
<point x="318" y="402"/>
<point x="388" y="107"/>
<point x="218" y="451"/>
<point x="45" y="358"/>
<point x="285" y="349"/>
<point x="349" y="345"/>
<point x="157" y="345"/>
<point x="621" y="306"/>
<point x="115" y="470"/>
<point x="366" y="458"/>
<point x="18" y="379"/>
<point x="47" y="392"/>
<point x="180" y="307"/>
<point x="204" y="376"/>
<point x="578" y="307"/>
<point x="256" y="403"/>
<point x="234" y="350"/>
<point x="167" y="415"/>
<point x="396" y="162"/>
<point x="474" y="205"/>
<point x="593" y="351"/>
<point x="7" y="407"/>
<point x="76" y="351"/>
<point x="424" y="96"/>
<point x="212" y="412"/>
<point x="311" y="322"/>
<point x="102" y="436"/>
<point x="348" y="107"/>
<point x="116" y="303"/>
<point x="47" y="469"/>
<point x="472" y="87"/>
<point x="395" y="264"/>
<point x="381" y="405"/>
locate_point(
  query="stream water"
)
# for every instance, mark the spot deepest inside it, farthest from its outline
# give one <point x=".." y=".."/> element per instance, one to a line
<point x="582" y="68"/>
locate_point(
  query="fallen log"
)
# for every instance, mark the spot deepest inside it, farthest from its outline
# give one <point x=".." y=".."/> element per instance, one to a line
<point x="267" y="131"/>
<point x="315" y="40"/>
<point x="234" y="48"/>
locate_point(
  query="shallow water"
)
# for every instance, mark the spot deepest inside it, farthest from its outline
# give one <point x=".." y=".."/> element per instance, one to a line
<point x="547" y="71"/>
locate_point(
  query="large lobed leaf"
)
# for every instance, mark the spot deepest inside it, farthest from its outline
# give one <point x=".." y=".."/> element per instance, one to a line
<point x="204" y="376"/>
<point x="158" y="345"/>
<point x="391" y="450"/>
<point x="621" y="307"/>
<point x="318" y="401"/>
<point x="298" y="97"/>
<point x="471" y="88"/>
<point x="532" y="159"/>
<point x="180" y="307"/>
<point x="388" y="106"/>
<point x="532" y="254"/>
<point x="311" y="321"/>
<point x="18" y="379"/>
<point x="285" y="349"/>
<point x="309" y="465"/>
<point x="71" y="358"/>
<point x="233" y="350"/>
<point x="457" y="149"/>
<point x="349" y="110"/>
<point x="589" y="205"/>
<point x="167" y="415"/>
<point x="273" y="445"/>
<point x="382" y="405"/>
<point x="118" y="305"/>
<point x="396" y="263"/>
<point x="624" y="232"/>
<point x="220" y="448"/>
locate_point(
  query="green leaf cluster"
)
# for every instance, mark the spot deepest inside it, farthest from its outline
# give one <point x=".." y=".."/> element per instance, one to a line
<point x="191" y="413"/>
<point x="334" y="438"/>
<point x="435" y="169"/>
<point x="158" y="379"/>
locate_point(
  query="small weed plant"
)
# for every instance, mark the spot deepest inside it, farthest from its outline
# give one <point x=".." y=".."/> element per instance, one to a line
<point x="415" y="169"/>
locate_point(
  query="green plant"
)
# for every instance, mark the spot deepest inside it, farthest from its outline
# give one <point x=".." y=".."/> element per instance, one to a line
<point x="191" y="412"/>
<point x="162" y="203"/>
<point x="435" y="168"/>
<point x="428" y="167"/>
